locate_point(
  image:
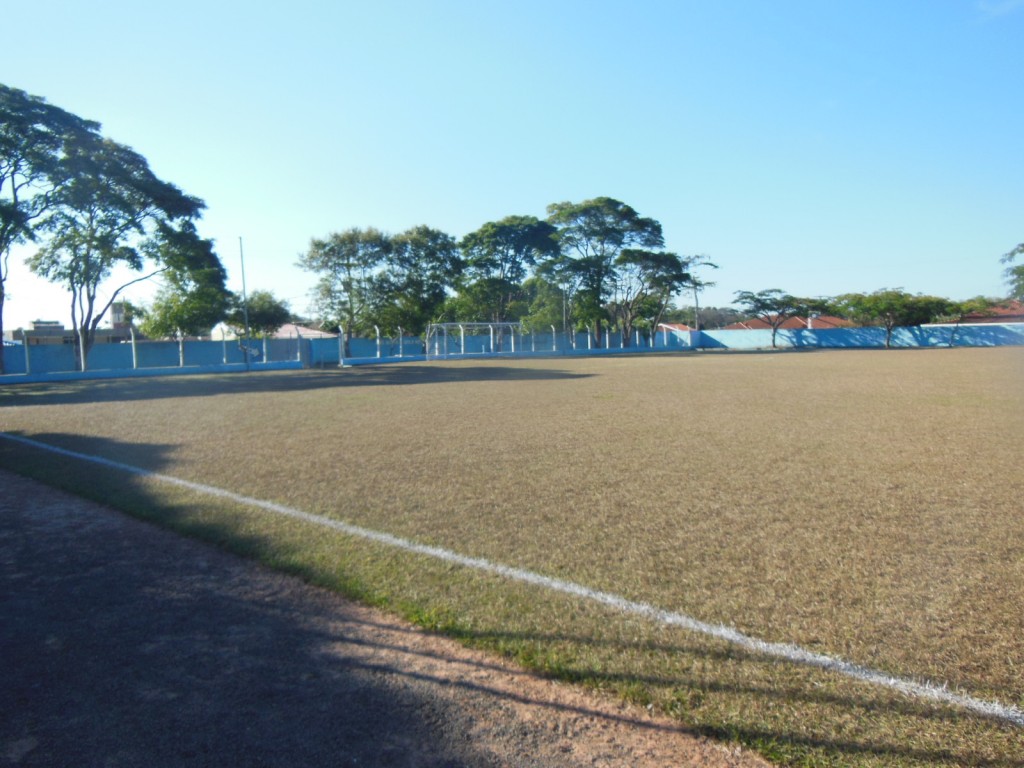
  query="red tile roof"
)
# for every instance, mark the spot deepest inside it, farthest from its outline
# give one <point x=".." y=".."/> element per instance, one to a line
<point x="818" y="322"/>
<point x="1006" y="312"/>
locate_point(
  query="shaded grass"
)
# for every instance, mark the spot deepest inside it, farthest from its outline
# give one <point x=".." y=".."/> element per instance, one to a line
<point x="861" y="504"/>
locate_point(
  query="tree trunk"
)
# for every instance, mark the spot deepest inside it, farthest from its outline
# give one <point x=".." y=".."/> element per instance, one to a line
<point x="2" y="353"/>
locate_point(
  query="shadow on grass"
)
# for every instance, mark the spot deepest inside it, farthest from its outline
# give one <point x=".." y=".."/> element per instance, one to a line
<point x="123" y="390"/>
<point x="256" y="696"/>
<point x="129" y="645"/>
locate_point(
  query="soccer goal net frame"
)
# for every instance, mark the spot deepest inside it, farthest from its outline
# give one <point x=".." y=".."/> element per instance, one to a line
<point x="446" y="340"/>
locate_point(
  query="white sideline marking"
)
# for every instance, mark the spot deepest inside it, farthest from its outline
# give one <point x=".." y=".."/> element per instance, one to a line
<point x="785" y="651"/>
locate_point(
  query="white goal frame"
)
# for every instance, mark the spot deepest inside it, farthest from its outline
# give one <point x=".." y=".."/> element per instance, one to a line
<point x="445" y="340"/>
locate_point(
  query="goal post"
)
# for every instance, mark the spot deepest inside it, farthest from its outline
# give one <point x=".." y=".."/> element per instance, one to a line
<point x="447" y="340"/>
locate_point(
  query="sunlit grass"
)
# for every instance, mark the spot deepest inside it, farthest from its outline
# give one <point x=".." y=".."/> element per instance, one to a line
<point x="860" y="504"/>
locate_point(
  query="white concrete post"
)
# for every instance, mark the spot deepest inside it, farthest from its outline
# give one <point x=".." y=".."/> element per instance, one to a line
<point x="554" y="340"/>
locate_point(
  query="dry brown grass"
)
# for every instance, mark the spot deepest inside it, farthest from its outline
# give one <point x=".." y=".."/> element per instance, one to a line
<point x="864" y="504"/>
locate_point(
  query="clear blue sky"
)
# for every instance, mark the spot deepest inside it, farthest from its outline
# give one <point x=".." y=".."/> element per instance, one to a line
<point x="817" y="147"/>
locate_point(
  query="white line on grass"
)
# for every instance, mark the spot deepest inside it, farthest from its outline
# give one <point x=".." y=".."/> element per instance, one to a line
<point x="786" y="651"/>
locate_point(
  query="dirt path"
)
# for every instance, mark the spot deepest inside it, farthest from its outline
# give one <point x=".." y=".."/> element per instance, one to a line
<point x="122" y="644"/>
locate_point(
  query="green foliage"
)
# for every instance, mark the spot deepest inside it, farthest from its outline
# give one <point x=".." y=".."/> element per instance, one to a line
<point x="644" y="284"/>
<point x="346" y="263"/>
<point x="497" y="259"/>
<point x="264" y="312"/>
<point x="592" y="235"/>
<point x="193" y="297"/>
<point x="1015" y="274"/>
<point x="423" y="265"/>
<point x="890" y="308"/>
<point x="110" y="210"/>
<point x="33" y="135"/>
<point x="773" y="306"/>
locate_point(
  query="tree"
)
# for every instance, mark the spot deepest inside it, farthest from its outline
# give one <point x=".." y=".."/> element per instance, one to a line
<point x="773" y="306"/>
<point x="644" y="284"/>
<point x="956" y="311"/>
<point x="593" y="234"/>
<point x="697" y="285"/>
<point x="193" y="297"/>
<point x="263" y="312"/>
<point x="346" y="262"/>
<point x="423" y="265"/>
<point x="1015" y="274"/>
<point x="546" y="305"/>
<point x="498" y="257"/>
<point x="33" y="135"/>
<point x="890" y="308"/>
<point x="110" y="211"/>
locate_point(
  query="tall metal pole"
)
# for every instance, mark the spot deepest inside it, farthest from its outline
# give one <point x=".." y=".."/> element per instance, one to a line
<point x="245" y="303"/>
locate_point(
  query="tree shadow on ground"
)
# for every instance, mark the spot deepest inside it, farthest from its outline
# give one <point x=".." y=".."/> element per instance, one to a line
<point x="213" y="385"/>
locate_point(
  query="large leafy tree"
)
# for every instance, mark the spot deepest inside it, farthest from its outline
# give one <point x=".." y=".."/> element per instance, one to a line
<point x="111" y="211"/>
<point x="773" y="306"/>
<point x="422" y="268"/>
<point x="644" y="284"/>
<point x="33" y="135"/>
<point x="346" y="263"/>
<point x="193" y="297"/>
<point x="891" y="309"/>
<point x="593" y="234"/>
<point x="498" y="257"/>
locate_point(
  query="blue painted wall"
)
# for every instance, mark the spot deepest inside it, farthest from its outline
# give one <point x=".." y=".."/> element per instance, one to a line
<point x="200" y="356"/>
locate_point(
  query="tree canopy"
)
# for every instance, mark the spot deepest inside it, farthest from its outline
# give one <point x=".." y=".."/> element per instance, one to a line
<point x="1015" y="272"/>
<point x="111" y="210"/>
<point x="33" y="138"/>
<point x="592" y="234"/>
<point x="346" y="263"/>
<point x="263" y="312"/>
<point x="773" y="306"/>
<point x="890" y="308"/>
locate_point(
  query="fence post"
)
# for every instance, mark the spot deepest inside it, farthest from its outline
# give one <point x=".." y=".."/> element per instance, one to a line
<point x="401" y="342"/>
<point x="181" y="351"/>
<point x="554" y="339"/>
<point x="377" y="330"/>
<point x="135" y="352"/>
<point x="341" y="347"/>
<point x="28" y="355"/>
<point x="264" y="347"/>
<point x="224" y="346"/>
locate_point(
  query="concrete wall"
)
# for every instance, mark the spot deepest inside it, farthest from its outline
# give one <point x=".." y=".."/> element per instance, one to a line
<point x="979" y="335"/>
<point x="163" y="358"/>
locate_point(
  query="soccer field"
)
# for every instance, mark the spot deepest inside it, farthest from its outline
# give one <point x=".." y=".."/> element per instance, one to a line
<point x="859" y="505"/>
